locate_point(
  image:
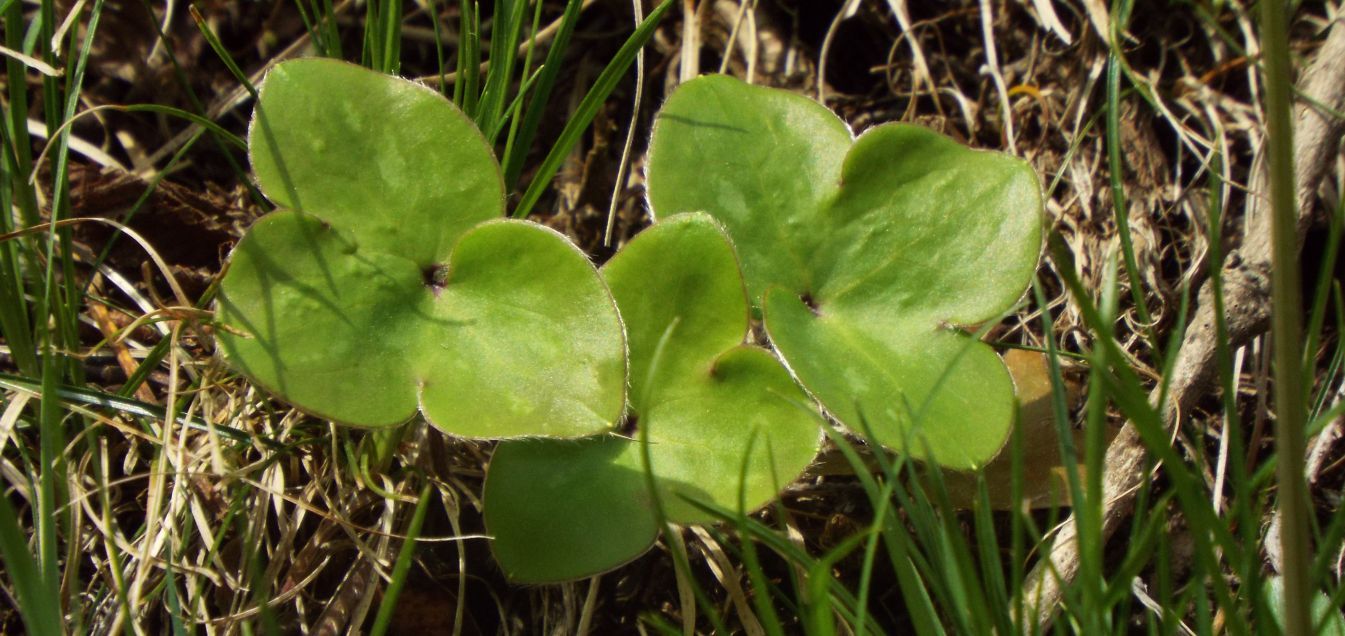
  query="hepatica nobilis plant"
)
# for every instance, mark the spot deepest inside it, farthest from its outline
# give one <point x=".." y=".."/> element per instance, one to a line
<point x="868" y="258"/>
<point x="721" y="423"/>
<point x="388" y="283"/>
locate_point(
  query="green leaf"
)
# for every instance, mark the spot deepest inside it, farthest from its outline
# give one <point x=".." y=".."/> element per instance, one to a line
<point x="391" y="295"/>
<point x="388" y="160"/>
<point x="560" y="511"/>
<point x="866" y="256"/>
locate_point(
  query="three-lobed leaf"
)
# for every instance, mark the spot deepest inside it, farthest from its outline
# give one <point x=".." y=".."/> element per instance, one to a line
<point x="725" y="424"/>
<point x="384" y="287"/>
<point x="865" y="256"/>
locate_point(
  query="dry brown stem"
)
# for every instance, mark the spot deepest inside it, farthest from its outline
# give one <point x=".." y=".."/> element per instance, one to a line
<point x="1246" y="288"/>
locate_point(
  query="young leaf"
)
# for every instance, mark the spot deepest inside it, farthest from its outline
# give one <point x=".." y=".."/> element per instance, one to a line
<point x="864" y="255"/>
<point x="560" y="510"/>
<point x="380" y="290"/>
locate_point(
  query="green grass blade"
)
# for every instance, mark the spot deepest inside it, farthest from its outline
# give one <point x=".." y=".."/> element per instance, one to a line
<point x="432" y="8"/>
<point x="517" y="149"/>
<point x="18" y="138"/>
<point x="987" y="554"/>
<point x="1120" y="208"/>
<point x="219" y="131"/>
<point x="515" y="113"/>
<point x="310" y="25"/>
<point x="220" y="50"/>
<point x="506" y="31"/>
<point x="331" y="35"/>
<point x="1125" y="390"/>
<point x="509" y="114"/>
<point x="1286" y="327"/>
<point x="761" y="599"/>
<point x="1321" y="293"/>
<point x="58" y="309"/>
<point x="465" y="93"/>
<point x="390" y="23"/>
<point x="171" y="600"/>
<point x="588" y="108"/>
<point x="70" y="395"/>
<point x="671" y="534"/>
<point x="897" y="539"/>
<point x="15" y="324"/>
<point x="402" y="568"/>
<point x="39" y="607"/>
<point x="818" y="611"/>
<point x="184" y="82"/>
<point x="761" y="587"/>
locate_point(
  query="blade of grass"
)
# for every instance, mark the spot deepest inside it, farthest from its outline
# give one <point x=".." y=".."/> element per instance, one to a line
<point x="222" y="52"/>
<point x="896" y="538"/>
<point x="1069" y="455"/>
<point x="58" y="309"/>
<point x="588" y="108"/>
<point x="958" y="560"/>
<point x="818" y="611"/>
<point x="401" y="569"/>
<point x="113" y="553"/>
<point x="15" y="318"/>
<point x="1286" y="328"/>
<point x="1088" y="510"/>
<point x="506" y="30"/>
<point x="517" y="149"/>
<point x="183" y="81"/>
<point x="37" y="605"/>
<point x="844" y="602"/>
<point x="514" y="105"/>
<point x="465" y="93"/>
<point x="390" y="24"/>
<point x="987" y="553"/>
<point x="671" y="534"/>
<point x="78" y="395"/>
<point x="1124" y="389"/>
<point x="15" y="325"/>
<point x="1321" y="292"/>
<point x="378" y="35"/>
<point x="515" y="115"/>
<point x="1120" y="208"/>
<point x="19" y="141"/>
<point x="1244" y="503"/>
<point x="874" y="535"/>
<point x="432" y="8"/>
<point x="761" y="598"/>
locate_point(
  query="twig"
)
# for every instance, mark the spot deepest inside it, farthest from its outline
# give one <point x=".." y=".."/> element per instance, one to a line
<point x="1246" y="276"/>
